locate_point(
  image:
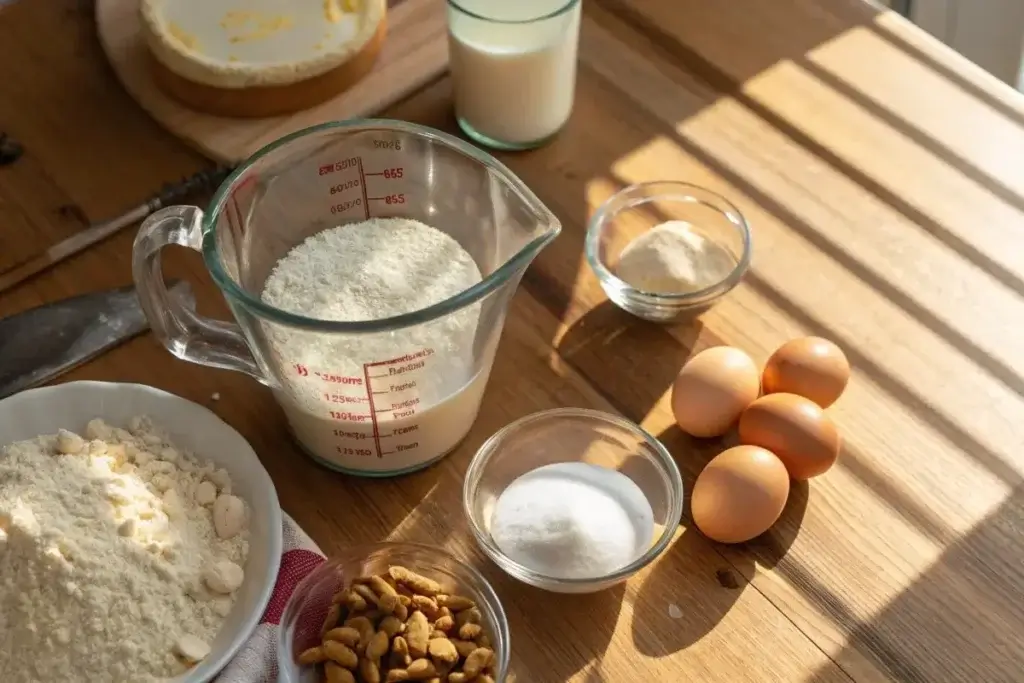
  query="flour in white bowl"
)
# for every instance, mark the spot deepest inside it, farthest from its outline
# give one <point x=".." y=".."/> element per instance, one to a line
<point x="119" y="556"/>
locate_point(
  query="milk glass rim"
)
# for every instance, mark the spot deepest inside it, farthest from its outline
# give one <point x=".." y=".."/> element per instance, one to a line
<point x="501" y="275"/>
<point x="682" y="192"/>
<point x="493" y="445"/>
<point x="544" y="17"/>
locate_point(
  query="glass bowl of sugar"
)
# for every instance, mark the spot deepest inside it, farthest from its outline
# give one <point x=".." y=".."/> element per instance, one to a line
<point x="667" y="250"/>
<point x="572" y="500"/>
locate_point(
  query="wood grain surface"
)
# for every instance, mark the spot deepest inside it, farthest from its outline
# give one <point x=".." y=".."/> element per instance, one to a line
<point x="415" y="52"/>
<point x="884" y="179"/>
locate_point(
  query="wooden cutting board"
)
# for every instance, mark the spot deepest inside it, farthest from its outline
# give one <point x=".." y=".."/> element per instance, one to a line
<point x="415" y="52"/>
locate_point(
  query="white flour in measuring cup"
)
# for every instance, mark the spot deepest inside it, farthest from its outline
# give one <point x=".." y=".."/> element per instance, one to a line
<point x="382" y="402"/>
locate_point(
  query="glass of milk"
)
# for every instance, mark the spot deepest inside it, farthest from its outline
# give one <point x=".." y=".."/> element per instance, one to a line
<point x="513" y="64"/>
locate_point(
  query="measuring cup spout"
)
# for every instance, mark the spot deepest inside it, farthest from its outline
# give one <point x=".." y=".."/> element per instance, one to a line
<point x="523" y="226"/>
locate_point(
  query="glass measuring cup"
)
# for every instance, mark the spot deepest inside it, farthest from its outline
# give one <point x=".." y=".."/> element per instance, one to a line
<point x="370" y="397"/>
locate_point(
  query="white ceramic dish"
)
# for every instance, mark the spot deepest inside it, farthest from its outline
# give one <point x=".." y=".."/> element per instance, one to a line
<point x="193" y="427"/>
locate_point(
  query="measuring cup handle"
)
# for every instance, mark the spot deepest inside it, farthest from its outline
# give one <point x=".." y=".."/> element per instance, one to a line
<point x="185" y="333"/>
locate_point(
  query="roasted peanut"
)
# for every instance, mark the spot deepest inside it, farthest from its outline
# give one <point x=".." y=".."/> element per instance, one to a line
<point x="464" y="647"/>
<point x="391" y="625"/>
<point x="400" y="651"/>
<point x="382" y="587"/>
<point x="366" y="593"/>
<point x="355" y="601"/>
<point x="425" y="605"/>
<point x="443" y="650"/>
<point x="365" y="628"/>
<point x="419" y="584"/>
<point x="417" y="633"/>
<point x="470" y="631"/>
<point x="389" y="603"/>
<point x="331" y="620"/>
<point x="397" y="676"/>
<point x="334" y="673"/>
<point x="477" y="661"/>
<point x="341" y="653"/>
<point x="343" y="634"/>
<point x="455" y="603"/>
<point x="468" y="616"/>
<point x="369" y="671"/>
<point x="444" y="624"/>
<point x="421" y="669"/>
<point x="378" y="646"/>
<point x="314" y="655"/>
<point x="402" y="611"/>
<point x="458" y="677"/>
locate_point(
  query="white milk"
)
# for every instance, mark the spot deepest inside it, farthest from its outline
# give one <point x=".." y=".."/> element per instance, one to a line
<point x="406" y="435"/>
<point x="513" y="82"/>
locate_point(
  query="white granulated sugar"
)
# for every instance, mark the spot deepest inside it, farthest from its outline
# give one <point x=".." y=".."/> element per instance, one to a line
<point x="573" y="520"/>
<point x="673" y="258"/>
<point x="103" y="549"/>
<point x="375" y="269"/>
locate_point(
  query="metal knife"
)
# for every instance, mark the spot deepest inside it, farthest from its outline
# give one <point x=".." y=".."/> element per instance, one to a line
<point x="43" y="343"/>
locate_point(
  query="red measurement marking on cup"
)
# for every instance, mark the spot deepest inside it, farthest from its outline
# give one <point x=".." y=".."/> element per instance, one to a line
<point x="388" y="199"/>
<point x="389" y="377"/>
<point x="343" y="398"/>
<point x="329" y="377"/>
<point x="390" y="173"/>
<point x="349" y="416"/>
<point x="340" y="165"/>
<point x="366" y="204"/>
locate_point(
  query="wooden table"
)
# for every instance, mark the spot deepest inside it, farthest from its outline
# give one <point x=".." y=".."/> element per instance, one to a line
<point x="884" y="178"/>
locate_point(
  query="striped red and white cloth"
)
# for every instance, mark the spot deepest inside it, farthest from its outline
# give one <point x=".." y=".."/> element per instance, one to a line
<point x="256" y="662"/>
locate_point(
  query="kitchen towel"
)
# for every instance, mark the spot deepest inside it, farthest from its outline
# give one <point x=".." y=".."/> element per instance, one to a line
<point x="256" y="662"/>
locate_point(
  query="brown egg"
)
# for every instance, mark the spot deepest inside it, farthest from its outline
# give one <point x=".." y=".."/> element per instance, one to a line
<point x="811" y="367"/>
<point x="712" y="390"/>
<point x="795" y="429"/>
<point x="739" y="495"/>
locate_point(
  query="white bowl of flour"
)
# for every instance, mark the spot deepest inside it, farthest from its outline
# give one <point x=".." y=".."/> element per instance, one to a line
<point x="191" y="429"/>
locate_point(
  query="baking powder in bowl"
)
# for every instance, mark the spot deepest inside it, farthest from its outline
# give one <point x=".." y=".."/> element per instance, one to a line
<point x="573" y="520"/>
<point x="388" y="401"/>
<point x="674" y="258"/>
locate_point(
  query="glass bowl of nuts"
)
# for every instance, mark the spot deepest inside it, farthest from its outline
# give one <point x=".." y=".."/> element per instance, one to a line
<point x="393" y="612"/>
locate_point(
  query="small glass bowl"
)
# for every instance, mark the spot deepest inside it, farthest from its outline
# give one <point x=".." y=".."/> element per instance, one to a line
<point x="572" y="435"/>
<point x="638" y="208"/>
<point x="306" y="609"/>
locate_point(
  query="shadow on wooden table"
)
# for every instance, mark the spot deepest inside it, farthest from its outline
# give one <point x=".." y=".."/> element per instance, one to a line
<point x="564" y="652"/>
<point x="687" y="593"/>
<point x="636" y="359"/>
<point x="964" y="615"/>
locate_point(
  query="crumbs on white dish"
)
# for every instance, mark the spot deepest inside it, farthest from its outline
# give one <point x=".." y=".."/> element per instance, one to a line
<point x="120" y="555"/>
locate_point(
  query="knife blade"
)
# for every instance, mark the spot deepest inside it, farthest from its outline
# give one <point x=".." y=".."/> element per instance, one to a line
<point x="43" y="343"/>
